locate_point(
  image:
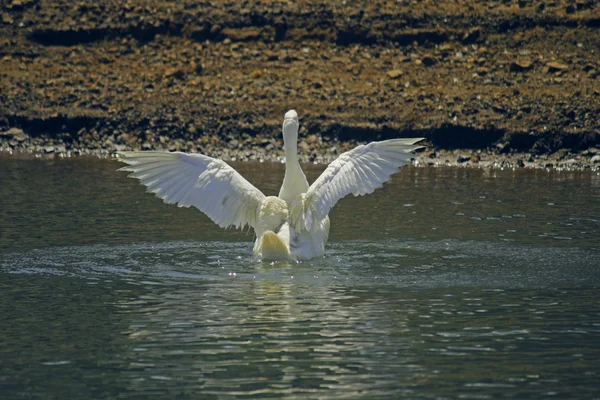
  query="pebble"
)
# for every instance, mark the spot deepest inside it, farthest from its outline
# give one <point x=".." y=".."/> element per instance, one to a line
<point x="521" y="65"/>
<point x="395" y="73"/>
<point x="556" y="66"/>
<point x="237" y="68"/>
<point x="313" y="149"/>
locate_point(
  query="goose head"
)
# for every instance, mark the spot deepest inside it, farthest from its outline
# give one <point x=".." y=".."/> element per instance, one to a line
<point x="290" y="128"/>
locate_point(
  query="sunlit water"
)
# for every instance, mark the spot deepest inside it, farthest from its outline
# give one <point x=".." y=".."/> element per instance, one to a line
<point x="447" y="283"/>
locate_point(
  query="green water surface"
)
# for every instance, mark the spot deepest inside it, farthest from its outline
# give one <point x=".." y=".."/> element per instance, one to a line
<point x="447" y="283"/>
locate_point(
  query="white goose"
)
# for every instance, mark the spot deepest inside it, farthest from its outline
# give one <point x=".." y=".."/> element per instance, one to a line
<point x="291" y="226"/>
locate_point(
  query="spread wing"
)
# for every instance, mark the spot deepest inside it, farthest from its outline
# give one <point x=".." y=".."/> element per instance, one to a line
<point x="197" y="180"/>
<point x="359" y="171"/>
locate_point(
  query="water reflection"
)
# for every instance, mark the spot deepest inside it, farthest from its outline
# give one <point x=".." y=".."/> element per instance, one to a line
<point x="405" y="319"/>
<point x="86" y="201"/>
<point x="447" y="283"/>
<point x="173" y="318"/>
<point x="274" y="338"/>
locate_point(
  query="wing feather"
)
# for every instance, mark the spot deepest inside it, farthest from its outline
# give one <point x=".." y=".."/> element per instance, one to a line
<point x="359" y="171"/>
<point x="197" y="180"/>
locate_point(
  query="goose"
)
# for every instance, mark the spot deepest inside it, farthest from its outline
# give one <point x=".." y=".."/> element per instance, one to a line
<point x="291" y="226"/>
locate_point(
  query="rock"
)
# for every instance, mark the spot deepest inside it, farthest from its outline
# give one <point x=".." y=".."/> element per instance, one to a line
<point x="595" y="159"/>
<point x="17" y="134"/>
<point x="462" y="159"/>
<point x="556" y="66"/>
<point x="174" y="73"/>
<point x="49" y="149"/>
<point x="395" y="73"/>
<point x="311" y="139"/>
<point x="242" y="34"/>
<point x="13" y="132"/>
<point x="520" y="163"/>
<point x="445" y="48"/>
<point x="128" y="138"/>
<point x="181" y="72"/>
<point x="304" y="146"/>
<point x="521" y="65"/>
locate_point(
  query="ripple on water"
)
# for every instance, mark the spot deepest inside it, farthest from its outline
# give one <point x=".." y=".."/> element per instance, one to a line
<point x="269" y="335"/>
<point x="417" y="316"/>
<point x="445" y="263"/>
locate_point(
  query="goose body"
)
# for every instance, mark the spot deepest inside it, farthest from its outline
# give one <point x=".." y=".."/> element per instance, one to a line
<point x="291" y="226"/>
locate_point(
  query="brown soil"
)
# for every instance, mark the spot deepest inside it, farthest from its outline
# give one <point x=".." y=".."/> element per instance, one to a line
<point x="510" y="76"/>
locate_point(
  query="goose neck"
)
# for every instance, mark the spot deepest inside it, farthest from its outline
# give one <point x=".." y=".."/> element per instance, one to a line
<point x="291" y="152"/>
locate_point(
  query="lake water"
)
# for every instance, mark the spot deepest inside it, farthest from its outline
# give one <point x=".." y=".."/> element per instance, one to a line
<point x="447" y="283"/>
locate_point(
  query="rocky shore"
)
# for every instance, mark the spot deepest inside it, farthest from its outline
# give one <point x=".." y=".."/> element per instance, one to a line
<point x="489" y="84"/>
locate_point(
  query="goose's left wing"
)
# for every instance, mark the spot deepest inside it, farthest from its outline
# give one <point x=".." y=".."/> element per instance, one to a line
<point x="359" y="171"/>
<point x="197" y="180"/>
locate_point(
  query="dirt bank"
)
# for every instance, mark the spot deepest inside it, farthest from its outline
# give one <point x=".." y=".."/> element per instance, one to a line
<point x="488" y="78"/>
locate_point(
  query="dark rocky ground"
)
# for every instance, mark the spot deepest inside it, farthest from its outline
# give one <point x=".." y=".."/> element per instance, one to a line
<point x="490" y="83"/>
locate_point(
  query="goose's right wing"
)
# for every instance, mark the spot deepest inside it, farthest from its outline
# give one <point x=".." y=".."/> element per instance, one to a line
<point x="197" y="180"/>
<point x="359" y="171"/>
